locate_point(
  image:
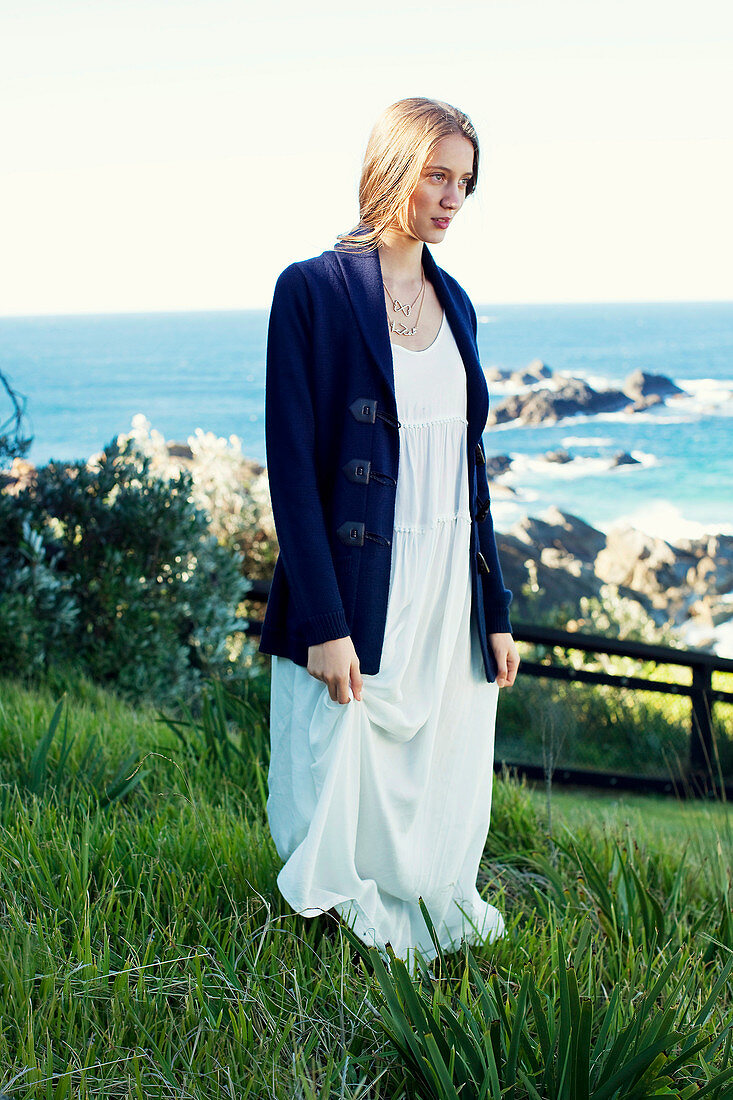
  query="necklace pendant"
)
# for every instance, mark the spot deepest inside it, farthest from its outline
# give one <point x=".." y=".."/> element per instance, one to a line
<point x="398" y="307"/>
<point x="400" y="329"/>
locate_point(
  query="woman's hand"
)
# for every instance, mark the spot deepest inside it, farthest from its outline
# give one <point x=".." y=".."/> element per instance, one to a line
<point x="336" y="663"/>
<point x="507" y="658"/>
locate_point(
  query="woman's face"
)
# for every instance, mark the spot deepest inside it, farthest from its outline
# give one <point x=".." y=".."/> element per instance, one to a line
<point x="441" y="192"/>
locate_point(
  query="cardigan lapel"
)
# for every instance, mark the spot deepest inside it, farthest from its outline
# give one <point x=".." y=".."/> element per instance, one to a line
<point x="362" y="273"/>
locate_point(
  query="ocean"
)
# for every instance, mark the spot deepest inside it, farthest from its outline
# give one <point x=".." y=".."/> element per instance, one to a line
<point x="85" y="377"/>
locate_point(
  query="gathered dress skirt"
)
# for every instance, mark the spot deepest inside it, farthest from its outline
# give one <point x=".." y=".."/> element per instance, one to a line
<point x="373" y="804"/>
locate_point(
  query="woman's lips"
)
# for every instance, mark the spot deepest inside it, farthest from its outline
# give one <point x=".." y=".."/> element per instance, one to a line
<point x="442" y="223"/>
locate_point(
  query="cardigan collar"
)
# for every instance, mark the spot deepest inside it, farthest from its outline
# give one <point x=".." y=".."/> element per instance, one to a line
<point x="362" y="274"/>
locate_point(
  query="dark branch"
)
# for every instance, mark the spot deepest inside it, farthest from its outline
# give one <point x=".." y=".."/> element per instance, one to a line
<point x="13" y="444"/>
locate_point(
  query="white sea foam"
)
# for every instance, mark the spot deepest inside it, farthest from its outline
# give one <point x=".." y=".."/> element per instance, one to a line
<point x="705" y="395"/>
<point x="695" y="385"/>
<point x="649" y="416"/>
<point x="587" y="441"/>
<point x="644" y="458"/>
<point x="717" y="638"/>
<point x="484" y="320"/>
<point x="662" y="519"/>
<point x="505" y="513"/>
<point x="578" y="466"/>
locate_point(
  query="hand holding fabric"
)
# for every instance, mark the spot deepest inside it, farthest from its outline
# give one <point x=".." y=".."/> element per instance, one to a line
<point x="507" y="658"/>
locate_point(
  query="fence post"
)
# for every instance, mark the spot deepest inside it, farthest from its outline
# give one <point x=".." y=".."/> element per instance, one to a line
<point x="701" y="732"/>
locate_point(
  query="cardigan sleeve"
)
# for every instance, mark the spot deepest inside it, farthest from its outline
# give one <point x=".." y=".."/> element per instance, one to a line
<point x="497" y="596"/>
<point x="290" y="446"/>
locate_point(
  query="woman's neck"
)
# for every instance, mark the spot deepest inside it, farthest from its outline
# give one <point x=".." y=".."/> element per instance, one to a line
<point x="401" y="259"/>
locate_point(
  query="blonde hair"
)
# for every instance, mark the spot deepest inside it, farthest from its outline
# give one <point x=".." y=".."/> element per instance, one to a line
<point x="399" y="146"/>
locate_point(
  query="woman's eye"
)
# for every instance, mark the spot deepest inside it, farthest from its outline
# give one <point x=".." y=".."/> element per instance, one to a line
<point x="438" y="176"/>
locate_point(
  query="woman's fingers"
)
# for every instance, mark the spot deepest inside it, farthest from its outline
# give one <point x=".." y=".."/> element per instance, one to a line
<point x="512" y="664"/>
<point x="501" y="675"/>
<point x="356" y="681"/>
<point x="342" y="693"/>
<point x="336" y="663"/>
<point x="507" y="658"/>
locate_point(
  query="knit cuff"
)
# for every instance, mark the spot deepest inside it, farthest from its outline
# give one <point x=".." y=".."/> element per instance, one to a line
<point x="497" y="622"/>
<point x="325" y="627"/>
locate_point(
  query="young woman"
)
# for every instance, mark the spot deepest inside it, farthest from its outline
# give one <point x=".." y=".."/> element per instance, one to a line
<point x="388" y="617"/>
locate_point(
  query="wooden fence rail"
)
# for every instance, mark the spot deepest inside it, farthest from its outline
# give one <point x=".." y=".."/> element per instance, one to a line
<point x="701" y="778"/>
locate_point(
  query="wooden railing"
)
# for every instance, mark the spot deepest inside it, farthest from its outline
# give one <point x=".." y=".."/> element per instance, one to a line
<point x="700" y="778"/>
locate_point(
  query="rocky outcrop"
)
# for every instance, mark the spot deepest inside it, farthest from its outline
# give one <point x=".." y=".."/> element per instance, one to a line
<point x="573" y="395"/>
<point x="640" y="385"/>
<point x="546" y="406"/>
<point x="561" y="531"/>
<point x="623" y="458"/>
<point x="496" y="465"/>
<point x="496" y="374"/>
<point x="561" y="455"/>
<point x="565" y="558"/>
<point x="554" y="556"/>
<point x="644" y="564"/>
<point x="533" y="372"/>
<point x="558" y="579"/>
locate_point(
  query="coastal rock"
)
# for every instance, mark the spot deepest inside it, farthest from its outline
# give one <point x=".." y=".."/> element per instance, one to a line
<point x="623" y="458"/>
<point x="179" y="450"/>
<point x="496" y="374"/>
<point x="561" y="559"/>
<point x="555" y="577"/>
<point x="711" y="570"/>
<point x="572" y="396"/>
<point x="534" y="372"/>
<point x="664" y="575"/>
<point x="560" y="531"/>
<point x="496" y="465"/>
<point x="561" y="455"/>
<point x="538" y="369"/>
<point x="646" y="402"/>
<point x="641" y="385"/>
<point x="184" y="457"/>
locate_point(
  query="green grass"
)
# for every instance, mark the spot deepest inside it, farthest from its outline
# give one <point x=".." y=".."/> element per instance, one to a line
<point x="659" y="819"/>
<point x="146" y="951"/>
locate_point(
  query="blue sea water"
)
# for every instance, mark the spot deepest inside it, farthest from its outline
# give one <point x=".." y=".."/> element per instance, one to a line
<point x="85" y="377"/>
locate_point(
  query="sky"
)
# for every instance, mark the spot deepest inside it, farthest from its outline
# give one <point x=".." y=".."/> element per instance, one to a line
<point x="178" y="154"/>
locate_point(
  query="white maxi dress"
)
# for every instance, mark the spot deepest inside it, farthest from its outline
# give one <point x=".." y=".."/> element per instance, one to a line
<point x="375" y="803"/>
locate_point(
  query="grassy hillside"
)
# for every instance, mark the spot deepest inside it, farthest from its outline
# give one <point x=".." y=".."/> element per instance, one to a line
<point x="147" y="951"/>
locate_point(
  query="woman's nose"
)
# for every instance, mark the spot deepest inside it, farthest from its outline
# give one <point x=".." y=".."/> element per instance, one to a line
<point x="451" y="199"/>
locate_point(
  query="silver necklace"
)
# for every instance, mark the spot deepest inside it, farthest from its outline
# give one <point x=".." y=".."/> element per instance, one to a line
<point x="399" y="307"/>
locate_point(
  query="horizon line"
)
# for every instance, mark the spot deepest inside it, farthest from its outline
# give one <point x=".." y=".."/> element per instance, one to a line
<point x="264" y="309"/>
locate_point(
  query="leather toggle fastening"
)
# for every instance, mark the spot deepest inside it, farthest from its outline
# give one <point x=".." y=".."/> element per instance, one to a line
<point x="480" y="456"/>
<point x="483" y="566"/>
<point x="365" y="410"/>
<point x="360" y="470"/>
<point x="357" y="469"/>
<point x="483" y="510"/>
<point x="352" y="533"/>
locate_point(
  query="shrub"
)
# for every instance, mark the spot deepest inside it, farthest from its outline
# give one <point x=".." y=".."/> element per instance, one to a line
<point x="116" y="566"/>
<point x="233" y="490"/>
<point x="37" y="608"/>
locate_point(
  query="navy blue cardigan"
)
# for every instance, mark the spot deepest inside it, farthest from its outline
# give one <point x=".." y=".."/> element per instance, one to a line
<point x="332" y="440"/>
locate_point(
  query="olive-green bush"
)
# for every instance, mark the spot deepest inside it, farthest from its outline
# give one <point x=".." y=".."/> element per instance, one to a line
<point x="113" y="569"/>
